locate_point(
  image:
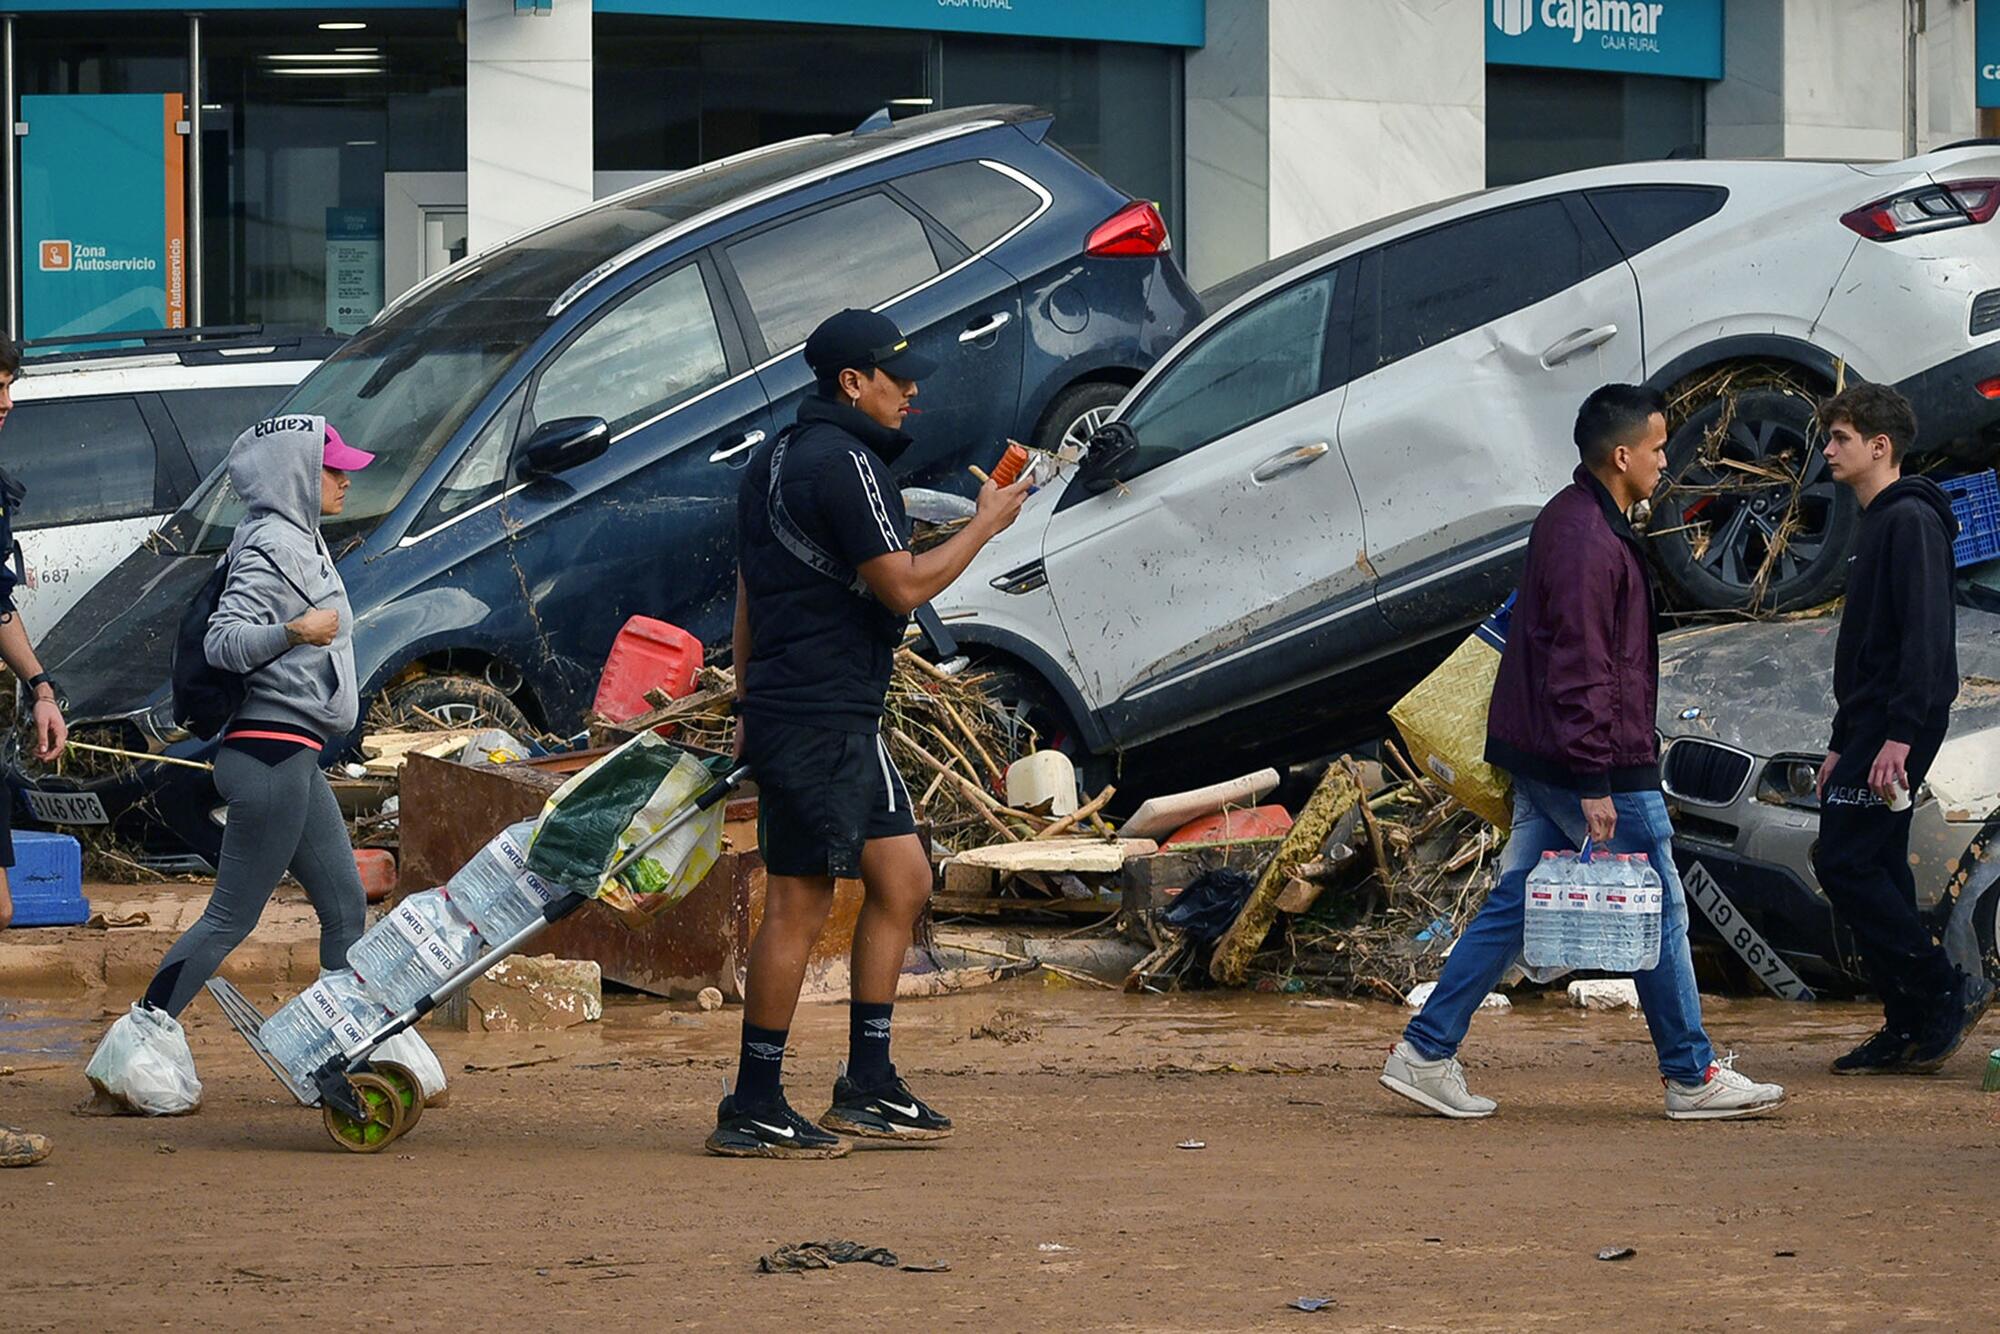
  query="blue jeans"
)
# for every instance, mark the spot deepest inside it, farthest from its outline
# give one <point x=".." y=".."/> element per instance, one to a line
<point x="1550" y="819"/>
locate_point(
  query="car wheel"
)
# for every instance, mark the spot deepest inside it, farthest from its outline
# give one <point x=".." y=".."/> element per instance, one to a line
<point x="1075" y="416"/>
<point x="1032" y="718"/>
<point x="1751" y="518"/>
<point x="456" y="701"/>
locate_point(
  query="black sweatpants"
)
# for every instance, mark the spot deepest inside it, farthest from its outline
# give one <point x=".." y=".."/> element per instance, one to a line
<point x="1863" y="860"/>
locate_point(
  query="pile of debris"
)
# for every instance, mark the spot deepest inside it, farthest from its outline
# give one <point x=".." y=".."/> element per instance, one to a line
<point x="938" y="723"/>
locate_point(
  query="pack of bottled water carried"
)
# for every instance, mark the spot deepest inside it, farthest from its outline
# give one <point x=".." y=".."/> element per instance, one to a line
<point x="1598" y="911"/>
<point x="496" y="891"/>
<point x="333" y="1016"/>
<point x="422" y="941"/>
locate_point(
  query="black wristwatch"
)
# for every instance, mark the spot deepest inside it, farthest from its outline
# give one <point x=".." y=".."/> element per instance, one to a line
<point x="44" y="679"/>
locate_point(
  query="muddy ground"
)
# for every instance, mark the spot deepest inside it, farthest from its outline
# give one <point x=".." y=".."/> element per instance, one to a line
<point x="573" y="1193"/>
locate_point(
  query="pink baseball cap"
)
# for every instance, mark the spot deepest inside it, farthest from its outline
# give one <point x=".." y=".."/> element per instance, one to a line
<point x="343" y="456"/>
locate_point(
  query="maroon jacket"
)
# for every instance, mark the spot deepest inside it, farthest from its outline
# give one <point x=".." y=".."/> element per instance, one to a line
<point x="1579" y="682"/>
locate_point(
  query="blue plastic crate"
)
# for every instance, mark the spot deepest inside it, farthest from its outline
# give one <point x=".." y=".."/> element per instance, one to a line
<point x="47" y="880"/>
<point x="1975" y="499"/>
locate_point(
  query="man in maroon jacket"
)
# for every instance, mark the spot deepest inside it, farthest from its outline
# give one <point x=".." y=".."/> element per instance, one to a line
<point x="1572" y="723"/>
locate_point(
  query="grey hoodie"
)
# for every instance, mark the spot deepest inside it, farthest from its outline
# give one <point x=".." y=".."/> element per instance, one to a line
<point x="275" y="468"/>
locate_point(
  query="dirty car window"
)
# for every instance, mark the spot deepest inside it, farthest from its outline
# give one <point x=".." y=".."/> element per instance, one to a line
<point x="652" y="350"/>
<point x="1264" y="360"/>
<point x="81" y="459"/>
<point x="400" y="389"/>
<point x="858" y="254"/>
<point x="1444" y="282"/>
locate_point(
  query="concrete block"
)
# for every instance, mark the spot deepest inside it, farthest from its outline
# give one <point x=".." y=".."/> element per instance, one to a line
<point x="524" y="994"/>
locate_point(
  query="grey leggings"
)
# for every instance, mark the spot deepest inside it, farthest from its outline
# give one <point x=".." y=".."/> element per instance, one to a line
<point x="281" y="817"/>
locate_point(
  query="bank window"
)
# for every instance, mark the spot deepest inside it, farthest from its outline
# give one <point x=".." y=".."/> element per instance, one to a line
<point x="1269" y="358"/>
<point x="1438" y="285"/>
<point x="81" y="459"/>
<point x="857" y="254"/>
<point x="1643" y="216"/>
<point x="656" y="348"/>
<point x="975" y="203"/>
<point x="209" y="420"/>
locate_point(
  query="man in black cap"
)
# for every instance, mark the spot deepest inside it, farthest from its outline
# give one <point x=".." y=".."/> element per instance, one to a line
<point x="826" y="583"/>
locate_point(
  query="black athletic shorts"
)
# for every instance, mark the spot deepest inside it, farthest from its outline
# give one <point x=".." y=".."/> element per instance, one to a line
<point x="822" y="794"/>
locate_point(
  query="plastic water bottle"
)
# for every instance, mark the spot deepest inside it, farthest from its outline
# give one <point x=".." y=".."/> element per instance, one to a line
<point x="1541" y="932"/>
<point x="1650" y="899"/>
<point x="495" y="890"/>
<point x="1579" y="910"/>
<point x="333" y="1016"/>
<point x="422" y="941"/>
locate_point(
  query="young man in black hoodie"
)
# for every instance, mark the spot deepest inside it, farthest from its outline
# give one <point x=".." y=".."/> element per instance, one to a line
<point x="1895" y="675"/>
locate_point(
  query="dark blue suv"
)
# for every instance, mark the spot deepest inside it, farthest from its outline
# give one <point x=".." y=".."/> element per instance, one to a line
<point x="561" y="422"/>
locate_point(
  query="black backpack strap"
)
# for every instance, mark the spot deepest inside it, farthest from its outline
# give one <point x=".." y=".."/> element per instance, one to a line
<point x="795" y="540"/>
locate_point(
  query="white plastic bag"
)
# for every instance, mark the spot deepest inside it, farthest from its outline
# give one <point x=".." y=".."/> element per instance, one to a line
<point x="415" y="1055"/>
<point x="144" y="1065"/>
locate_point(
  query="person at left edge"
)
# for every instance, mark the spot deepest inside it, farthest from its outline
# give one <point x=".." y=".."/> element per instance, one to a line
<point x="19" y="1148"/>
<point x="825" y="587"/>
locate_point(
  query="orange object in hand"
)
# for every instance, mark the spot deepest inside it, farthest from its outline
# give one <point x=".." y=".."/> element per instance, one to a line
<point x="1008" y="470"/>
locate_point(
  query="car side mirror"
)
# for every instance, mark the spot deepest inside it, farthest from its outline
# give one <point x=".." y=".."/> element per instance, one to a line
<point x="562" y="444"/>
<point x="1108" y="459"/>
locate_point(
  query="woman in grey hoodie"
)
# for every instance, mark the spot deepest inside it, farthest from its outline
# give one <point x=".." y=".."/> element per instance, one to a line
<point x="283" y="622"/>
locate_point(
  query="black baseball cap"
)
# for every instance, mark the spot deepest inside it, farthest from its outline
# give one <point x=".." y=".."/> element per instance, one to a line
<point x="863" y="340"/>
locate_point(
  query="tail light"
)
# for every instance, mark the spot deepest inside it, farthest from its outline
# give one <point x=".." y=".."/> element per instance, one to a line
<point x="1929" y="208"/>
<point x="1137" y="229"/>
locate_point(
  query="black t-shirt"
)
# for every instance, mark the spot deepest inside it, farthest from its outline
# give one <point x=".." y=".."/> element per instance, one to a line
<point x="820" y="652"/>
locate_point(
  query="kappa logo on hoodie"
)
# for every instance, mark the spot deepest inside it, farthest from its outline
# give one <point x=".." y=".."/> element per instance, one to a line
<point x="273" y="425"/>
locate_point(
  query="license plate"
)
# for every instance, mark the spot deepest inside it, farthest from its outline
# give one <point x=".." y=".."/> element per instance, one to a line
<point x="1749" y="944"/>
<point x="65" y="807"/>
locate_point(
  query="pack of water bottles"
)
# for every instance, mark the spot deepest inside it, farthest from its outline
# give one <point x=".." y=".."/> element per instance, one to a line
<point x="334" y="1015"/>
<point x="1598" y="911"/>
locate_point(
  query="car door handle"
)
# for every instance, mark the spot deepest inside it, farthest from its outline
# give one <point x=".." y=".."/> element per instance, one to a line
<point x="750" y="441"/>
<point x="979" y="331"/>
<point x="1583" y="340"/>
<point x="1280" y="464"/>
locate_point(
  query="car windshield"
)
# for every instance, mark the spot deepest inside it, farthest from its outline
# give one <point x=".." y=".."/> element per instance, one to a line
<point x="399" y="389"/>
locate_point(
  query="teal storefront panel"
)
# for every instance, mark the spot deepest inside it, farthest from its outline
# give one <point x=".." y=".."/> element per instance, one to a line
<point x="1986" y="48"/>
<point x="102" y="222"/>
<point x="1158" y="22"/>
<point x="1675" y="38"/>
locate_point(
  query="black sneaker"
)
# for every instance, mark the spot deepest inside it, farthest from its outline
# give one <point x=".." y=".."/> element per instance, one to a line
<point x="771" y="1131"/>
<point x="1886" y="1053"/>
<point x="1942" y="1037"/>
<point x="887" y="1111"/>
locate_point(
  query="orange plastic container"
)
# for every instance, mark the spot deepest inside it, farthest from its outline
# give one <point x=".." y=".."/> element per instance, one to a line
<point x="1231" y="826"/>
<point x="1008" y="470"/>
<point x="647" y="655"/>
<point x="377" y="869"/>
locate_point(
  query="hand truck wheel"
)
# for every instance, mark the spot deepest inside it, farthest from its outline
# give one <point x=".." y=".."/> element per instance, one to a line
<point x="384" y="1120"/>
<point x="409" y="1093"/>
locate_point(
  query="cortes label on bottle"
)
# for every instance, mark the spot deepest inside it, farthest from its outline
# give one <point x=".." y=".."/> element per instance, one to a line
<point x="535" y="889"/>
<point x="437" y="957"/>
<point x="334" y="1018"/>
<point x="410" y="925"/>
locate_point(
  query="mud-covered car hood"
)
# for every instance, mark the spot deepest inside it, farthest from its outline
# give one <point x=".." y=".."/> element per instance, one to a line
<point x="1766" y="688"/>
<point x="113" y="651"/>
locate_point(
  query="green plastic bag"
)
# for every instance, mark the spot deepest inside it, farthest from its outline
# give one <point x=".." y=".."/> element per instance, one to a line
<point x="591" y="821"/>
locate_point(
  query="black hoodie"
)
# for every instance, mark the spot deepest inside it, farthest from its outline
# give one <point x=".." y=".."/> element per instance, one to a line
<point x="1895" y="670"/>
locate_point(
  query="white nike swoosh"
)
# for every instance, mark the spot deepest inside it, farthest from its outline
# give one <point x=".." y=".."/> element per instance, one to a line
<point x="906" y="1111"/>
<point x="785" y="1131"/>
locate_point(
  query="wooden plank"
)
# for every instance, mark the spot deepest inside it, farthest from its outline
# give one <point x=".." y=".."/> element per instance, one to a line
<point x="1334" y="797"/>
<point x="402" y="743"/>
<point x="997" y="905"/>
<point x="1077" y="855"/>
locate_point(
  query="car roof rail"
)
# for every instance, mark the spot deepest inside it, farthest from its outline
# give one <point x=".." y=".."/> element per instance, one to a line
<point x="1967" y="143"/>
<point x="201" y="344"/>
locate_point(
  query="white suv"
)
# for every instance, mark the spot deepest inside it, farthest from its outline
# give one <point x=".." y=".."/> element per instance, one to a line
<point x="109" y="442"/>
<point x="1336" y="472"/>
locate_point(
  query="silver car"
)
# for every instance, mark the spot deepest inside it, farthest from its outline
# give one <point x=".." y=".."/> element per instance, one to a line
<point x="1744" y="713"/>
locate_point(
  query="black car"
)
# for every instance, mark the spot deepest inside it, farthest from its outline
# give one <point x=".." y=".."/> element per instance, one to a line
<point x="561" y="422"/>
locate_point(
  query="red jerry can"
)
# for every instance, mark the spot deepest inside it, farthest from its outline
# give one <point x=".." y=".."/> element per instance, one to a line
<point x="647" y="655"/>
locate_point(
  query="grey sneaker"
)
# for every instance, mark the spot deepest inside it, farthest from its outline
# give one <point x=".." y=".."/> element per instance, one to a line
<point x="1724" y="1095"/>
<point x="1438" y="1086"/>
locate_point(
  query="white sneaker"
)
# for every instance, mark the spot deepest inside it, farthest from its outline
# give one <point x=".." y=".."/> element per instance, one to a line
<point x="1723" y="1095"/>
<point x="1436" y="1085"/>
